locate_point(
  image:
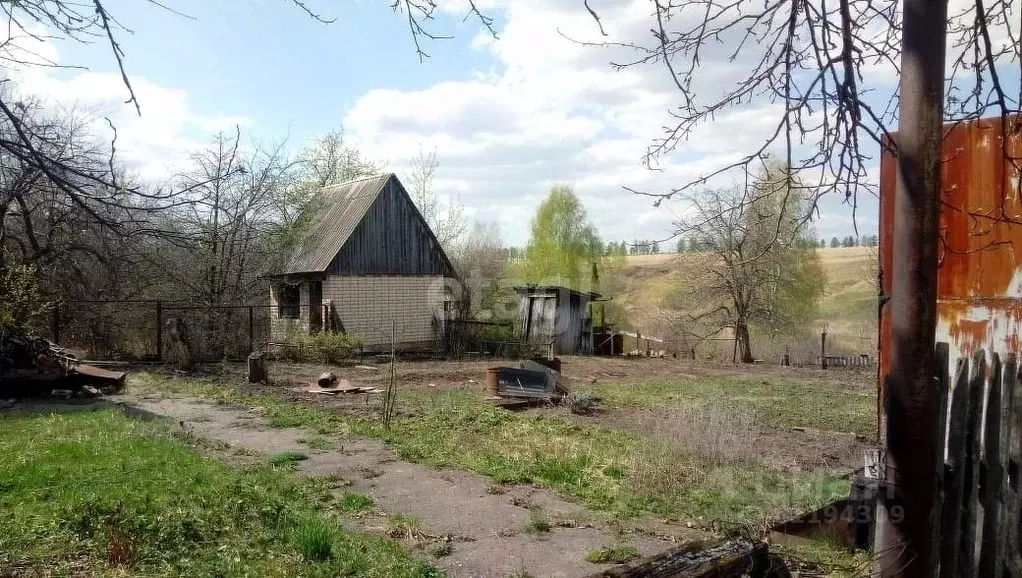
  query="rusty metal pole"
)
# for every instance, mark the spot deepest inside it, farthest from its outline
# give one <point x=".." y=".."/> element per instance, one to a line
<point x="905" y="511"/>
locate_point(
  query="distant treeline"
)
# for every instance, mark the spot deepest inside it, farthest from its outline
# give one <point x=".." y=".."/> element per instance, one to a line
<point x="695" y="245"/>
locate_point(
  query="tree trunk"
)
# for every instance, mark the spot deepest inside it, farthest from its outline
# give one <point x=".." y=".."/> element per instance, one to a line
<point x="744" y="343"/>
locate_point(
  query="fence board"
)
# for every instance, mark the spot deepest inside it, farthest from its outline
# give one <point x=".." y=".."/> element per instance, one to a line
<point x="967" y="562"/>
<point x="940" y="408"/>
<point x="953" y="475"/>
<point x="992" y="474"/>
<point x="1012" y="510"/>
<point x="979" y="531"/>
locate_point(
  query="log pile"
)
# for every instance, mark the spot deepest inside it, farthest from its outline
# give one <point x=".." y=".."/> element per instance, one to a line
<point x="32" y="365"/>
<point x="735" y="558"/>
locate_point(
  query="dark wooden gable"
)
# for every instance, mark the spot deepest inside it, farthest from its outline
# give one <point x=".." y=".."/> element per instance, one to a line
<point x="392" y="239"/>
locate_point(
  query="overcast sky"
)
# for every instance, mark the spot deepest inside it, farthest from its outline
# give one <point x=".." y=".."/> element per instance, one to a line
<point x="509" y="117"/>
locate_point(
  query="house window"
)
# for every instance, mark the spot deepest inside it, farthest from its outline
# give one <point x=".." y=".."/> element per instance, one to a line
<point x="289" y="302"/>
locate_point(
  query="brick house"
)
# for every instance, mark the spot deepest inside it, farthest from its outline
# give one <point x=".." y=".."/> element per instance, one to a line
<point x="368" y="264"/>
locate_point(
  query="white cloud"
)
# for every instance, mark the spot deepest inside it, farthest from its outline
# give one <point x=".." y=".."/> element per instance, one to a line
<point x="154" y="144"/>
<point x="551" y="110"/>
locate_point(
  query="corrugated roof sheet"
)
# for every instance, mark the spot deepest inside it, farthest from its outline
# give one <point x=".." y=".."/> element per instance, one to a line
<point x="339" y="209"/>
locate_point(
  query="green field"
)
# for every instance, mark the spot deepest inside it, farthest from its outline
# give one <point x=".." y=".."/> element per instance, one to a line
<point x="98" y="493"/>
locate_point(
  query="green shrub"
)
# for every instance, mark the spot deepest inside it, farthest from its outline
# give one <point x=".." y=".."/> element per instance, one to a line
<point x="332" y="348"/>
<point x="322" y="347"/>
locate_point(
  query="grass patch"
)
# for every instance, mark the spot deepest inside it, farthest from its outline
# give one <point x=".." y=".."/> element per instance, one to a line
<point x="317" y="443"/>
<point x="825" y="558"/>
<point x="619" y="472"/>
<point x="315" y="538"/>
<point x="287" y="459"/>
<point x="537" y="524"/>
<point x="100" y="489"/>
<point x="612" y="555"/>
<point x="352" y="502"/>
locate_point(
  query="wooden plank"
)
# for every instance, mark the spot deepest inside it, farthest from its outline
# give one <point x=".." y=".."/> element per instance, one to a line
<point x="995" y="455"/>
<point x="968" y="549"/>
<point x="733" y="558"/>
<point x="1013" y="492"/>
<point x="952" y="507"/>
<point x="941" y="397"/>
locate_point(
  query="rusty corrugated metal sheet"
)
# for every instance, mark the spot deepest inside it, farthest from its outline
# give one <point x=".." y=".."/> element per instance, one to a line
<point x="339" y="209"/>
<point x="979" y="280"/>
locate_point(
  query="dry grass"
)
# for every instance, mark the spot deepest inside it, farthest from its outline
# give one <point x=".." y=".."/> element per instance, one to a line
<point x="848" y="307"/>
<point x="718" y="431"/>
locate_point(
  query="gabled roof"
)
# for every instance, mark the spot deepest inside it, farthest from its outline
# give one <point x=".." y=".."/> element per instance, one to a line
<point x="338" y="210"/>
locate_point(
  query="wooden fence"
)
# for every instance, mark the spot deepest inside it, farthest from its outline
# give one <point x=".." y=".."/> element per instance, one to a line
<point x="978" y="530"/>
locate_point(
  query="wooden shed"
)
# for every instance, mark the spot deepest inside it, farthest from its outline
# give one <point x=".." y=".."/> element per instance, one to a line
<point x="369" y="264"/>
<point x="558" y="315"/>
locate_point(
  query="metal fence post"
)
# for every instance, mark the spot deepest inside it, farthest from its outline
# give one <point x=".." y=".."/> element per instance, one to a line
<point x="159" y="331"/>
<point x="823" y="350"/>
<point x="251" y="329"/>
<point x="56" y="323"/>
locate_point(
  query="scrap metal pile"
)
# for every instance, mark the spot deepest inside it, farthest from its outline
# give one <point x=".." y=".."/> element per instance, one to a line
<point x="35" y="366"/>
<point x="531" y="381"/>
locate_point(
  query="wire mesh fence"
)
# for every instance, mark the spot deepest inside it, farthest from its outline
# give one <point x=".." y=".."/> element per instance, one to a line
<point x="146" y="330"/>
<point x="466" y="339"/>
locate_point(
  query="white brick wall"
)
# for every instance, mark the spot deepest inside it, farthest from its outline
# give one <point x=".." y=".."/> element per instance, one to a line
<point x="367" y="306"/>
<point x="282" y="329"/>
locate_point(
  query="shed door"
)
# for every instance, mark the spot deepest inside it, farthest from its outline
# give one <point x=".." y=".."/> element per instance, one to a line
<point x="544" y="317"/>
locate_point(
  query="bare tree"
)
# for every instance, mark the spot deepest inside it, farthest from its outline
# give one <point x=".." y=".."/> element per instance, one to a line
<point x="231" y="226"/>
<point x="122" y="207"/>
<point x="481" y="261"/>
<point x="751" y="274"/>
<point x="330" y="160"/>
<point x="447" y="219"/>
<point x="824" y="65"/>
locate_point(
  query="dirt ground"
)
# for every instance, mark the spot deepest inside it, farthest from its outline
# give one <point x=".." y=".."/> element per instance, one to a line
<point x="481" y="524"/>
<point x="480" y="527"/>
<point x="582" y="370"/>
<point x="784" y="451"/>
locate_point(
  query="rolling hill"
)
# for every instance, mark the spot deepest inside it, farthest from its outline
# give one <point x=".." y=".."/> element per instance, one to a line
<point x="847" y="310"/>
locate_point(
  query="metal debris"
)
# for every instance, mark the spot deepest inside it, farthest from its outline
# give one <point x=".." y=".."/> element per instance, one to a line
<point x="32" y="365"/>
